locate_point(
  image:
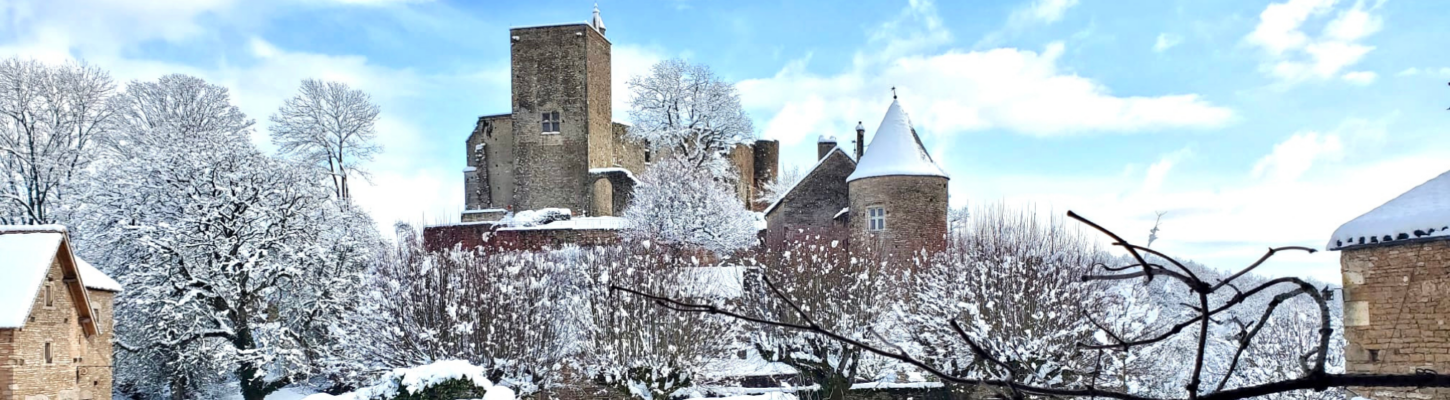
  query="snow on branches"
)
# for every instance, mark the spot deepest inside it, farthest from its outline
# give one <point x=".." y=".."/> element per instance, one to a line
<point x="49" y="115"/>
<point x="676" y="205"/>
<point x="685" y="108"/>
<point x="241" y="264"/>
<point x="330" y="125"/>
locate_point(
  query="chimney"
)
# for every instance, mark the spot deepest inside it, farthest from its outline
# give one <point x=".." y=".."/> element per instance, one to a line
<point x="860" y="139"/>
<point x="824" y="146"/>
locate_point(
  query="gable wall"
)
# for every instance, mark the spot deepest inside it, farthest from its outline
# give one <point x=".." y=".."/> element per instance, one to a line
<point x="806" y="214"/>
<point x="80" y="365"/>
<point x="1395" y="304"/>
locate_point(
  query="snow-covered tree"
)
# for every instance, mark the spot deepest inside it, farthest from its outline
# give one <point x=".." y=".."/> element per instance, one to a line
<point x="331" y="125"/>
<point x="235" y="262"/>
<point x="679" y="206"/>
<point x="1012" y="282"/>
<point x="49" y="115"/>
<point x="684" y="108"/>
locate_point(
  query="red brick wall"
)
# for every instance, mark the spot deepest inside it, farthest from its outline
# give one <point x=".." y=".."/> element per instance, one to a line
<point x="80" y="365"/>
<point x="1397" y="312"/>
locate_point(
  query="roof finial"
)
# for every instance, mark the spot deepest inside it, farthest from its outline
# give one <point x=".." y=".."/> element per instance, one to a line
<point x="893" y="93"/>
<point x="596" y="22"/>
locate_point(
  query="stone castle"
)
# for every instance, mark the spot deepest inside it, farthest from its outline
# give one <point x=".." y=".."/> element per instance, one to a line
<point x="558" y="147"/>
<point x="1396" y="265"/>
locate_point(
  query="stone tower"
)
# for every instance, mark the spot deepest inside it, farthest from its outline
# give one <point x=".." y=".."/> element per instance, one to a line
<point x="1396" y="265"/>
<point x="898" y="195"/>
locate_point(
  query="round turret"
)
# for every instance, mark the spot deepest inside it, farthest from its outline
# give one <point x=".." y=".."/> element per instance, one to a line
<point x="898" y="194"/>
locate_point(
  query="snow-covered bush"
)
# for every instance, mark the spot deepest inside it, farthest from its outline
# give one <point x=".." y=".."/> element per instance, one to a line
<point x="680" y="207"/>
<point x="443" y="380"/>
<point x="507" y="312"/>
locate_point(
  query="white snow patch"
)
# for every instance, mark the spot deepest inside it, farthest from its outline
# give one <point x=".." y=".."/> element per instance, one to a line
<point x="895" y="150"/>
<point x="417" y="379"/>
<point x="1422" y="212"/>
<point x="26" y="253"/>
<point x="470" y="169"/>
<point x="842" y="212"/>
<point x="613" y="169"/>
<point x="95" y="279"/>
<point x="826" y="139"/>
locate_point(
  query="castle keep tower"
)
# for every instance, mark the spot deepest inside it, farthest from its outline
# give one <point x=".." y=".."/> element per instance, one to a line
<point x="1396" y="265"/>
<point x="898" y="195"/>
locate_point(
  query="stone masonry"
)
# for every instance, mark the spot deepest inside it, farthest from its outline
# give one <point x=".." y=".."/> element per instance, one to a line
<point x="1397" y="312"/>
<point x="807" y="213"/>
<point x="916" y="214"/>
<point x="79" y="366"/>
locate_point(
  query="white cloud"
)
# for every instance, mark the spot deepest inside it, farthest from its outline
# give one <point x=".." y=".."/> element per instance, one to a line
<point x="1360" y="77"/>
<point x="1293" y="56"/>
<point x="1437" y="72"/>
<point x="1156" y="173"/>
<point x="627" y="61"/>
<point x="1044" y="11"/>
<point x="1166" y="41"/>
<point x="947" y="93"/>
<point x="1292" y="157"/>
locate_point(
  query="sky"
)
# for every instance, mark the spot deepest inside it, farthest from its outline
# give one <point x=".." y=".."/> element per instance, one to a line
<point x="1247" y="124"/>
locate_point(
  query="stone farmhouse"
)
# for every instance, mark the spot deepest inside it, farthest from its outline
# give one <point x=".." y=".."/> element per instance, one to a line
<point x="1396" y="265"/>
<point x="55" y="318"/>
<point x="893" y="200"/>
<point x="559" y="149"/>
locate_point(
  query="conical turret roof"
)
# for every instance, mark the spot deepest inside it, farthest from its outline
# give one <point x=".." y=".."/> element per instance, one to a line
<point x="895" y="150"/>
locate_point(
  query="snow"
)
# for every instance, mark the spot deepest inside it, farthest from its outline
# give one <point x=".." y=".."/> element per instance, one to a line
<point x="894" y="385"/>
<point x="538" y="217"/>
<point x="291" y="393"/>
<point x="417" y="379"/>
<point x="25" y="256"/>
<point x="95" y="279"/>
<point x="860" y="126"/>
<point x="895" y="150"/>
<point x="826" y="139"/>
<point x="613" y="169"/>
<point x="486" y="210"/>
<point x="1422" y="212"/>
<point x="843" y="211"/>
<point x="762" y="396"/>
<point x="613" y="223"/>
<point x="470" y="169"/>
<point x="726" y="282"/>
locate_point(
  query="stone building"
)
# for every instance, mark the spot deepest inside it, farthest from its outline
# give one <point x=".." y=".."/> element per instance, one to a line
<point x="1396" y="265"/>
<point x="891" y="199"/>
<point x="558" y="147"/>
<point x="55" y="319"/>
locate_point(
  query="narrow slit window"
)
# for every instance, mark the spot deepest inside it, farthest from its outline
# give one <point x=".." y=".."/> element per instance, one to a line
<point x="48" y="359"/>
<point x="876" y="218"/>
<point x="49" y="301"/>
<point x="551" y="122"/>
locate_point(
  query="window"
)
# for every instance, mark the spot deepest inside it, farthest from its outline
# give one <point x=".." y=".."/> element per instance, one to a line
<point x="876" y="218"/>
<point x="48" y="359"/>
<point x="49" y="301"/>
<point x="1374" y="355"/>
<point x="551" y="122"/>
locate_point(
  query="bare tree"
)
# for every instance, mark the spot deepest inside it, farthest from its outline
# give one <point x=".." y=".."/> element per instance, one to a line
<point x="329" y="124"/>
<point x="1214" y="299"/>
<point x="774" y="190"/>
<point x="49" y="114"/>
<point x="685" y="108"/>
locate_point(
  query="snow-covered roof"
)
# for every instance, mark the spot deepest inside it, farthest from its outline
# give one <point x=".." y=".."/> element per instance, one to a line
<point x="895" y="150"/>
<point x="27" y="258"/>
<point x="26" y="254"/>
<point x="843" y="211"/>
<point x="1421" y="213"/>
<point x="95" y="279"/>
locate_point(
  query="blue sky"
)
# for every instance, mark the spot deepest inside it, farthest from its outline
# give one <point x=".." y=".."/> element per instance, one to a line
<point x="1250" y="123"/>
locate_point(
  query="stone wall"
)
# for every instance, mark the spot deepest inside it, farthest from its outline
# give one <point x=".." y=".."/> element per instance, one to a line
<point x="916" y="214"/>
<point x="79" y="367"/>
<point x="807" y="213"/>
<point x="490" y="184"/>
<point x="551" y="74"/>
<point x="767" y="167"/>
<point x="742" y="157"/>
<point x="1397" y="312"/>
